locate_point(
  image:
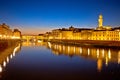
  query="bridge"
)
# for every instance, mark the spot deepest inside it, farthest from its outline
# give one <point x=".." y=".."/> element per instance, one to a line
<point x="32" y="38"/>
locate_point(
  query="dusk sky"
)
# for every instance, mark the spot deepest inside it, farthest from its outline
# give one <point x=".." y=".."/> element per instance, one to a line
<point x="39" y="16"/>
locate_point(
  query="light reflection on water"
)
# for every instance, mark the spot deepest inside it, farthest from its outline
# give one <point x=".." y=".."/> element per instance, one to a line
<point x="47" y="60"/>
<point x="6" y="55"/>
<point x="101" y="55"/>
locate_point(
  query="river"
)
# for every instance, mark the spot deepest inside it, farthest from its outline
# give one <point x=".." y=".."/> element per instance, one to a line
<point x="50" y="61"/>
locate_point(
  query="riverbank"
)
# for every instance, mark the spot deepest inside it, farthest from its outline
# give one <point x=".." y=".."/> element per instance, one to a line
<point x="6" y="48"/>
<point x="89" y="42"/>
<point x="7" y="43"/>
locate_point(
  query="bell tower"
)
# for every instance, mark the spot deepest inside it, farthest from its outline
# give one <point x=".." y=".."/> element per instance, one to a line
<point x="100" y="21"/>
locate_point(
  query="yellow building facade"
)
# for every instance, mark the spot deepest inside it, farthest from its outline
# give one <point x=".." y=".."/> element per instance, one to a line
<point x="105" y="35"/>
<point x="77" y="35"/>
<point x="62" y="34"/>
<point x="100" y="33"/>
<point x="16" y="34"/>
<point x="7" y="33"/>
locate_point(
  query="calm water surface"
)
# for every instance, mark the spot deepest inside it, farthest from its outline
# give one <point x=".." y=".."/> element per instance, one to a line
<point x="46" y="61"/>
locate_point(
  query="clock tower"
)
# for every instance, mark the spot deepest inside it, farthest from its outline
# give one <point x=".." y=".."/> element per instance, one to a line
<point x="100" y="21"/>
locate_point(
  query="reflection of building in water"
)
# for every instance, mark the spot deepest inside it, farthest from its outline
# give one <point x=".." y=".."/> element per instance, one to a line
<point x="99" y="64"/>
<point x="119" y="57"/>
<point x="28" y="43"/>
<point x="102" y="55"/>
<point x="8" y="54"/>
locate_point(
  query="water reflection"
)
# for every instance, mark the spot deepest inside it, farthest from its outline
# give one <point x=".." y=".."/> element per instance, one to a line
<point x="65" y="62"/>
<point x="28" y="44"/>
<point x="101" y="55"/>
<point x="8" y="53"/>
<point x="119" y="57"/>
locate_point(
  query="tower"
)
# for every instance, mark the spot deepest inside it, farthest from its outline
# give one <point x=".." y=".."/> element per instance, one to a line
<point x="100" y="21"/>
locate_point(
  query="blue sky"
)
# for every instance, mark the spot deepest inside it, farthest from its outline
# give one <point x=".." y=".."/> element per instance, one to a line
<point x="39" y="16"/>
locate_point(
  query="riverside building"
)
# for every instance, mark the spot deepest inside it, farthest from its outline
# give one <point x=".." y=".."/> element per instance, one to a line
<point x="7" y="33"/>
<point x="101" y="32"/>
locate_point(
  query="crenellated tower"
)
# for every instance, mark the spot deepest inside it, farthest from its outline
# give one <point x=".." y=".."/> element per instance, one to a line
<point x="100" y="21"/>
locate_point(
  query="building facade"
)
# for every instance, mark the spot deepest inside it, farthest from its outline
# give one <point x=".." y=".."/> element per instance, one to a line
<point x="7" y="33"/>
<point x="100" y="33"/>
<point x="16" y="34"/>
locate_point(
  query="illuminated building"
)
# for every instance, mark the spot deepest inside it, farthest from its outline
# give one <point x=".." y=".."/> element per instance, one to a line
<point x="105" y="35"/>
<point x="6" y="32"/>
<point x="56" y="34"/>
<point x="66" y="34"/>
<point x="16" y="34"/>
<point x="100" y="24"/>
<point x="62" y="33"/>
<point x="77" y="35"/>
<point x="71" y="33"/>
<point x="100" y="33"/>
<point x="100" y="20"/>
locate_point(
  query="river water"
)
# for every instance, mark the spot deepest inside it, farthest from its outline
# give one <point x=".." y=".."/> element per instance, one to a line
<point x="50" y="61"/>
